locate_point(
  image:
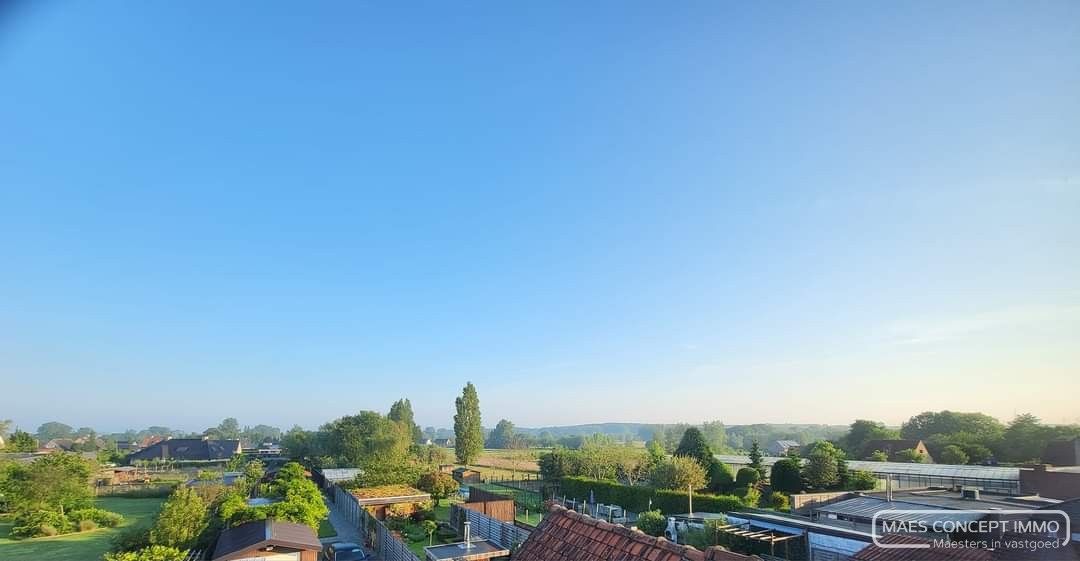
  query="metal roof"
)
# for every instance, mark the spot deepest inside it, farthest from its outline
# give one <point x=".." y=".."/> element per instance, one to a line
<point x="341" y="474"/>
<point x="867" y="507"/>
<point x="899" y="468"/>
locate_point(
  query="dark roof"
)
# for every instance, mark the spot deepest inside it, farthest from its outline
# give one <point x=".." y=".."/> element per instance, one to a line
<point x="263" y="533"/>
<point x="875" y="552"/>
<point x="194" y="449"/>
<point x="565" y="535"/>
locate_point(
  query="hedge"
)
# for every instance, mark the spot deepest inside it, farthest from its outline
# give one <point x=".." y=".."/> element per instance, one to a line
<point x="636" y="499"/>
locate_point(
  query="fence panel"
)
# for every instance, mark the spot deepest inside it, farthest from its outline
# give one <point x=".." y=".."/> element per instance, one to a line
<point x="386" y="546"/>
<point x="506" y="534"/>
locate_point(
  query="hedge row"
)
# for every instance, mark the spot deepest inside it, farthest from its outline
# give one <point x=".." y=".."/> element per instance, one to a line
<point x="636" y="499"/>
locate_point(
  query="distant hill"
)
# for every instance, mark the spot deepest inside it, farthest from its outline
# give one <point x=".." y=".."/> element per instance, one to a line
<point x="642" y="431"/>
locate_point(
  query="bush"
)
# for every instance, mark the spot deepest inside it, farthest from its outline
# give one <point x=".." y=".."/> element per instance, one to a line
<point x="778" y="501"/>
<point x="652" y="522"/>
<point x="152" y="553"/>
<point x="87" y="525"/>
<point x="721" y="478"/>
<point x="746" y="477"/>
<point x="40" y="523"/>
<point x="786" y="476"/>
<point x="678" y="473"/>
<point x="132" y="538"/>
<point x="862" y="480"/>
<point x="636" y="498"/>
<point x="98" y="516"/>
<point x="750" y="496"/>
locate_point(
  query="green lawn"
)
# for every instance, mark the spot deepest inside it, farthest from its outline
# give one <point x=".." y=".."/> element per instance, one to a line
<point x="326" y="529"/>
<point x="83" y="546"/>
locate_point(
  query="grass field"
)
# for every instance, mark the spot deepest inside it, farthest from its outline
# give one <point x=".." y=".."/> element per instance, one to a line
<point x="82" y="546"/>
<point x="510" y="461"/>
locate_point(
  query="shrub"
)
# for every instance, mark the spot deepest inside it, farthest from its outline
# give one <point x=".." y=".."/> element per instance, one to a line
<point x="40" y="523"/>
<point x="87" y="525"/>
<point x="746" y="477"/>
<point x="678" y="473"/>
<point x="132" y="538"/>
<point x="862" y="480"/>
<point x="152" y="553"/>
<point x="637" y="498"/>
<point x="98" y="516"/>
<point x="750" y="496"/>
<point x="721" y="478"/>
<point x="786" y="476"/>
<point x="778" y="501"/>
<point x="652" y="522"/>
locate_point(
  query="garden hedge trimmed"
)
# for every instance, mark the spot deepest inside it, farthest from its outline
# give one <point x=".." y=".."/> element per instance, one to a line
<point x="636" y="499"/>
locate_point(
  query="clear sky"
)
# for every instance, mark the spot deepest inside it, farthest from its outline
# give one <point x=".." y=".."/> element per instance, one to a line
<point x="595" y="211"/>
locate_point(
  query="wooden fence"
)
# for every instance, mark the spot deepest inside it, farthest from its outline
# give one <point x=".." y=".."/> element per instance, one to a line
<point x="387" y="547"/>
<point x="506" y="534"/>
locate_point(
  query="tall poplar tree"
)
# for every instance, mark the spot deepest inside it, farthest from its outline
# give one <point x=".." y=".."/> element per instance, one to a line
<point x="468" y="434"/>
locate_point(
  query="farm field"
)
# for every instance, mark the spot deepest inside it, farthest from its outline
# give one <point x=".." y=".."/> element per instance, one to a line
<point x="81" y="546"/>
<point x="507" y="464"/>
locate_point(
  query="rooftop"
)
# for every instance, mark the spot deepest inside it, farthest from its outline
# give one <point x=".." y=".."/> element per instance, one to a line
<point x="385" y="494"/>
<point x="565" y="535"/>
<point x="236" y="542"/>
<point x="478" y="549"/>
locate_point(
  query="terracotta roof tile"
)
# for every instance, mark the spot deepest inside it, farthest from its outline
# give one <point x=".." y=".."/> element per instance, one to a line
<point x="569" y="536"/>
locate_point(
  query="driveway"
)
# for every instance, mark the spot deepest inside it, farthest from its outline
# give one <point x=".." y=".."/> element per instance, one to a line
<point x="346" y="532"/>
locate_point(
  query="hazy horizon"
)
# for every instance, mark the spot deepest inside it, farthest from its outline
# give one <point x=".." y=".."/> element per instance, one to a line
<point x="747" y="212"/>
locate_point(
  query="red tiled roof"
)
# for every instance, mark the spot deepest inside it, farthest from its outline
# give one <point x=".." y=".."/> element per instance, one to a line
<point x="566" y="535"/>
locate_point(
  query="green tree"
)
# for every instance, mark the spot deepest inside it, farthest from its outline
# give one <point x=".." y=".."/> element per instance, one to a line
<point x="258" y="434"/>
<point x="183" y="518"/>
<point x="152" y="553"/>
<point x="367" y="437"/>
<point x="429" y="527"/>
<point x="862" y="480"/>
<point x="693" y="445"/>
<point x="655" y="449"/>
<point x="678" y="473"/>
<point x="786" y="476"/>
<point x="438" y="484"/>
<point x="53" y="429"/>
<point x="502" y="435"/>
<point x="756" y="457"/>
<point x="298" y="443"/>
<point x="863" y="431"/>
<point x="402" y="412"/>
<point x="57" y="482"/>
<point x="953" y="454"/>
<point x="21" y="441"/>
<point x="721" y="477"/>
<point x="878" y="456"/>
<point x="253" y="474"/>
<point x="910" y="456"/>
<point x="821" y="470"/>
<point x="652" y="522"/>
<point x="715" y="436"/>
<point x="747" y="477"/>
<point x="229" y="429"/>
<point x="468" y="430"/>
<point x="1024" y="439"/>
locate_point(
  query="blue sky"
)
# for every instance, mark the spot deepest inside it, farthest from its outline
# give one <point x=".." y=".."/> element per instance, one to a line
<point x="604" y="211"/>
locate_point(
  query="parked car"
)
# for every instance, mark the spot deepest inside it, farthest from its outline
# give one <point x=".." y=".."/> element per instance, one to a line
<point x="344" y="551"/>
